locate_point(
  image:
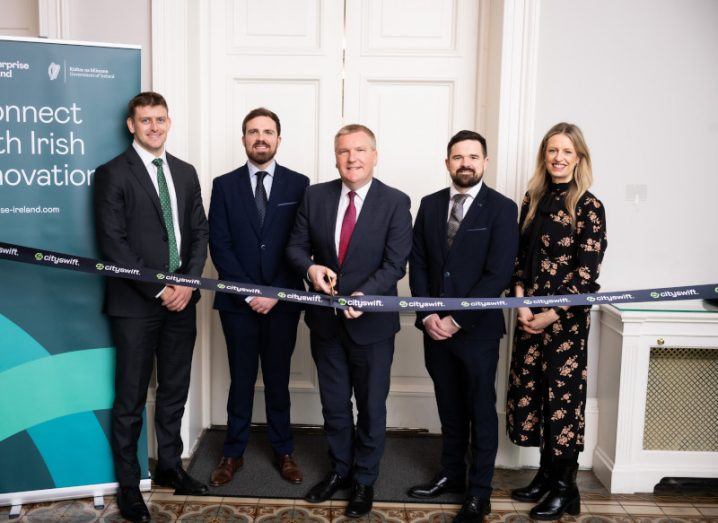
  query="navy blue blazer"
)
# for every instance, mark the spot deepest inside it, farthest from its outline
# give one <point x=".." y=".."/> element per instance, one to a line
<point x="241" y="249"/>
<point x="479" y="263"/>
<point x="375" y="260"/>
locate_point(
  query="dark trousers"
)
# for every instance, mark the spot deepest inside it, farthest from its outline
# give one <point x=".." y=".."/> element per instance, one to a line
<point x="168" y="336"/>
<point x="251" y="338"/>
<point x="343" y="367"/>
<point x="464" y="371"/>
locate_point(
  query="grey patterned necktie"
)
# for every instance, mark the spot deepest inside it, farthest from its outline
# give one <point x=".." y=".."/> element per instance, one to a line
<point x="166" y="203"/>
<point x="260" y="196"/>
<point x="457" y="214"/>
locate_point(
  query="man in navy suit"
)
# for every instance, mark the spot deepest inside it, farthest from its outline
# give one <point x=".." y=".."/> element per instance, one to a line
<point x="250" y="217"/>
<point x="352" y="236"/>
<point x="465" y="241"/>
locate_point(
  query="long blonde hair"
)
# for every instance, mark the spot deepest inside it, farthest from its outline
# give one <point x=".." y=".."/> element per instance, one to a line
<point x="582" y="175"/>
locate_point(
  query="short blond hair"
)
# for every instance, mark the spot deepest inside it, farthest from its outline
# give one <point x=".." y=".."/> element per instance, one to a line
<point x="355" y="128"/>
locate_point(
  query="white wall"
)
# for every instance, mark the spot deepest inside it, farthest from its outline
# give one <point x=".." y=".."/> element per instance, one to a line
<point x="641" y="79"/>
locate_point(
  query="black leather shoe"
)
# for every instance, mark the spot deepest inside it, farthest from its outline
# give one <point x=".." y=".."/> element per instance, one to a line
<point x="179" y="480"/>
<point x="361" y="501"/>
<point x="473" y="510"/>
<point x="563" y="496"/>
<point x="326" y="488"/>
<point x="535" y="490"/>
<point x="439" y="485"/>
<point x="131" y="505"/>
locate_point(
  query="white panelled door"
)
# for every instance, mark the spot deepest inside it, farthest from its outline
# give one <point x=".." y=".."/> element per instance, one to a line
<point x="407" y="69"/>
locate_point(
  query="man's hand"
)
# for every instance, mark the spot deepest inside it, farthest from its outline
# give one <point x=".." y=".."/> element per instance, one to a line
<point x="449" y="325"/>
<point x="176" y="297"/>
<point x="540" y="321"/>
<point x="350" y="313"/>
<point x="262" y="305"/>
<point x="434" y="327"/>
<point x="323" y="279"/>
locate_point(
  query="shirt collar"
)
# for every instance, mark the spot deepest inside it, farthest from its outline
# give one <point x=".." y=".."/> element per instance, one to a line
<point x="147" y="156"/>
<point x="471" y="192"/>
<point x="361" y="193"/>
<point x="253" y="169"/>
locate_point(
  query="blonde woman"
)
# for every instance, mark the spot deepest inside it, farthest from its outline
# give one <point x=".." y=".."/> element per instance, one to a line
<point x="563" y="239"/>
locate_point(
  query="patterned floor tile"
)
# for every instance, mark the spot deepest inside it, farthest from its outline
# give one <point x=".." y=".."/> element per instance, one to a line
<point x="675" y="510"/>
<point x="375" y="516"/>
<point x="643" y="510"/>
<point x="429" y="515"/>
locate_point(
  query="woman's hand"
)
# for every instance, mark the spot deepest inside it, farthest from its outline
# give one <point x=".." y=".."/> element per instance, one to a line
<point x="540" y="321"/>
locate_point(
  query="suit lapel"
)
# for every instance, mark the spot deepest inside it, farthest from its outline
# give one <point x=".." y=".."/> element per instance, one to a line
<point x="335" y="192"/>
<point x="276" y="195"/>
<point x="179" y="188"/>
<point x="138" y="170"/>
<point x="244" y="188"/>
<point x="473" y="214"/>
<point x="441" y="213"/>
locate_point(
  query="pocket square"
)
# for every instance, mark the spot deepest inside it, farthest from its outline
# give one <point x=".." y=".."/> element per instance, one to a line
<point x="477" y="229"/>
<point x="284" y="204"/>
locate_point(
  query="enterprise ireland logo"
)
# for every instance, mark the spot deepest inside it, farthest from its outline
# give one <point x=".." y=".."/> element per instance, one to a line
<point x="39" y="256"/>
<point x="99" y="267"/>
<point x="160" y="276"/>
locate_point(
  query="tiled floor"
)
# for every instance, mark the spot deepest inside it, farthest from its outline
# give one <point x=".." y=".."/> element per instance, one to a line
<point x="166" y="507"/>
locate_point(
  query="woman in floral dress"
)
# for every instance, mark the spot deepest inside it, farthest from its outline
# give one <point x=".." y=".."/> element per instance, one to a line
<point x="563" y="239"/>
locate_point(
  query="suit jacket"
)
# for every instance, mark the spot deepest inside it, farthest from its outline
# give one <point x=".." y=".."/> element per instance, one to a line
<point x="375" y="259"/>
<point x="130" y="230"/>
<point x="241" y="249"/>
<point x="478" y="264"/>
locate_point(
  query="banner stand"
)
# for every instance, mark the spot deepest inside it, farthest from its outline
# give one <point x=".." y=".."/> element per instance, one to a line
<point x="63" y="106"/>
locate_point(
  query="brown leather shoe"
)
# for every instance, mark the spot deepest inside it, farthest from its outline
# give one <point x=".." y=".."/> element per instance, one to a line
<point x="289" y="470"/>
<point x="225" y="470"/>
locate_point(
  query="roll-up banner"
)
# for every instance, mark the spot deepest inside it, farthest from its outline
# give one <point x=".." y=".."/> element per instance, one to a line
<point x="62" y="113"/>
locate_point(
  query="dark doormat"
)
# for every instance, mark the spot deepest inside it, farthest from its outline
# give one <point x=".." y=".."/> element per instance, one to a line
<point x="408" y="459"/>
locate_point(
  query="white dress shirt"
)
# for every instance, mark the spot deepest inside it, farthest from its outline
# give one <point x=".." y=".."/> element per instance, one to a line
<point x="344" y="204"/>
<point x="267" y="181"/>
<point x="472" y="192"/>
<point x="147" y="158"/>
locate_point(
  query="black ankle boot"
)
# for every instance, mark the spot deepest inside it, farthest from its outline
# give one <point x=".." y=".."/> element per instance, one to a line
<point x="535" y="490"/>
<point x="563" y="496"/>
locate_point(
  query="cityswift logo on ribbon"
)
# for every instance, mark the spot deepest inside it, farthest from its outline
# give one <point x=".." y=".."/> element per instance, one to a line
<point x="221" y="285"/>
<point x="39" y="256"/>
<point x="160" y="276"/>
<point x="100" y="267"/>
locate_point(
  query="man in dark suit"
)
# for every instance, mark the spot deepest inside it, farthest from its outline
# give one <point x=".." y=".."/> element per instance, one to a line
<point x="352" y="236"/>
<point x="250" y="217"/>
<point x="465" y="241"/>
<point x="149" y="213"/>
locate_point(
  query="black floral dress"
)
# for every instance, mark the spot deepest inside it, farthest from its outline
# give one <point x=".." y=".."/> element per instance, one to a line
<point x="547" y="382"/>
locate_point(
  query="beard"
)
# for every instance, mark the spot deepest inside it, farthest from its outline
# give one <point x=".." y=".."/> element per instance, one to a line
<point x="260" y="157"/>
<point x="466" y="178"/>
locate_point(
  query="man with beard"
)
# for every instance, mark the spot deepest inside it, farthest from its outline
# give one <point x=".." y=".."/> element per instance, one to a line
<point x="465" y="241"/>
<point x="251" y="214"/>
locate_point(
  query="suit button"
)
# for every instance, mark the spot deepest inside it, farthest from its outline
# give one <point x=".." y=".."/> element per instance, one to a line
<point x="263" y="247"/>
<point x="447" y="274"/>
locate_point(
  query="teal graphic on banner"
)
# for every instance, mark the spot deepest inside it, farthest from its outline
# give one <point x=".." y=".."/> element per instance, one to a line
<point x="62" y="112"/>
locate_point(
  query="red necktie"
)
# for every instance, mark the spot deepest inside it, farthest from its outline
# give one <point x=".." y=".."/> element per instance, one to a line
<point x="348" y="223"/>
